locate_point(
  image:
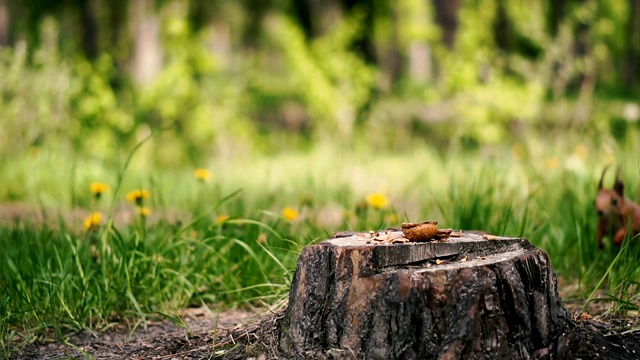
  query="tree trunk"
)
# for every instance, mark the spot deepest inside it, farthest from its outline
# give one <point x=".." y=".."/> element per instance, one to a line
<point x="89" y="28"/>
<point x="633" y="43"/>
<point x="4" y="23"/>
<point x="119" y="38"/>
<point x="147" y="51"/>
<point x="420" y="62"/>
<point x="447" y="18"/>
<point x="465" y="298"/>
<point x="316" y="17"/>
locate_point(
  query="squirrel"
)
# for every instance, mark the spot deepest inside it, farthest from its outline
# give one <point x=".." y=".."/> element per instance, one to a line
<point x="615" y="211"/>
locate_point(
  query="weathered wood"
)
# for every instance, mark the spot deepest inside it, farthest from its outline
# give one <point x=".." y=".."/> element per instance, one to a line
<point x="466" y="298"/>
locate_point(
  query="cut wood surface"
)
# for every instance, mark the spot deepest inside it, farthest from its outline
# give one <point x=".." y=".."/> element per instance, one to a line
<point x="464" y="298"/>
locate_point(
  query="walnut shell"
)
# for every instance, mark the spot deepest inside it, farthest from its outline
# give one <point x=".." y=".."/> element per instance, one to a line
<point x="417" y="232"/>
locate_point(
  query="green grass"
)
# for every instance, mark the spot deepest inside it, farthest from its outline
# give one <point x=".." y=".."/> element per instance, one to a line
<point x="55" y="282"/>
<point x="58" y="278"/>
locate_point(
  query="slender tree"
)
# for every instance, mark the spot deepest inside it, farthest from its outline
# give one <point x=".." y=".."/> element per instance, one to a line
<point x="446" y="12"/>
<point x="4" y="23"/>
<point x="629" y="71"/>
<point x="89" y="22"/>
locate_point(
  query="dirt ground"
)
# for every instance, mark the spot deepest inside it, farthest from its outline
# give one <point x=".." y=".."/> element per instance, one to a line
<point x="238" y="334"/>
<point x="210" y="336"/>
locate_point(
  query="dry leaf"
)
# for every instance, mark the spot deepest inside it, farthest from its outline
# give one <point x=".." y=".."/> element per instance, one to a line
<point x="489" y="237"/>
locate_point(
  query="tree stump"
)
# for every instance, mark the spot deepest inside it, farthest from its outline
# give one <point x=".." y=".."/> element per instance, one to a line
<point x="469" y="297"/>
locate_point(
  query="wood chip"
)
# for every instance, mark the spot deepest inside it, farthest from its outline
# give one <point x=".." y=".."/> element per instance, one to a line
<point x="442" y="234"/>
<point x="585" y="316"/>
<point x="439" y="262"/>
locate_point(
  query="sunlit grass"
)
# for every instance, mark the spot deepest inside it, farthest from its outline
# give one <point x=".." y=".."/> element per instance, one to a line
<point x="173" y="238"/>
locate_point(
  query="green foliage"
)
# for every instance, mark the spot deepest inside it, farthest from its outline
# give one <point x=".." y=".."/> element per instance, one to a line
<point x="33" y="101"/>
<point x="99" y="117"/>
<point x="331" y="79"/>
<point x="223" y="96"/>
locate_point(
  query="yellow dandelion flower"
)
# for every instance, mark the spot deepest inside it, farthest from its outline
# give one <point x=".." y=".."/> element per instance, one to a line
<point x="377" y="200"/>
<point x="519" y="151"/>
<point x="202" y="174"/>
<point x="144" y="211"/>
<point x="98" y="188"/>
<point x="608" y="158"/>
<point x="137" y="196"/>
<point x="290" y="213"/>
<point x="552" y="163"/>
<point x="581" y="151"/>
<point x="93" y="220"/>
<point x="221" y="218"/>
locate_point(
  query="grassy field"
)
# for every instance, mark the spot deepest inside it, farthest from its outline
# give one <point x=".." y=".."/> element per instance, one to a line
<point x="232" y="235"/>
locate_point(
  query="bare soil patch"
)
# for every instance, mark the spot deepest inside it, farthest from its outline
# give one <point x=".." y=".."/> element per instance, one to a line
<point x="208" y="336"/>
<point x="242" y="334"/>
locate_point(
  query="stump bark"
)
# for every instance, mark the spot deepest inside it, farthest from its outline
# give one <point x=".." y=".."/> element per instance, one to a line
<point x="466" y="298"/>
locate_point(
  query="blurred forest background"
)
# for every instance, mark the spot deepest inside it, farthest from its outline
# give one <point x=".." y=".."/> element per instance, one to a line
<point x="236" y="78"/>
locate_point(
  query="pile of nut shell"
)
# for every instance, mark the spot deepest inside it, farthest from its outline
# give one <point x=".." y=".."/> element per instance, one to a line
<point x="411" y="232"/>
<point x="425" y="231"/>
